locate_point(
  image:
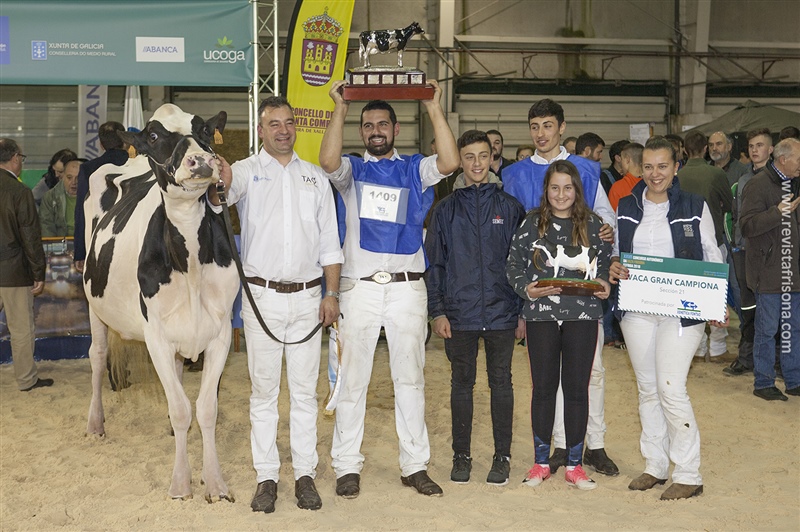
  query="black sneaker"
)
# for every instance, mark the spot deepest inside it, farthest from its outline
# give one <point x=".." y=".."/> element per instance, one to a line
<point x="501" y="467"/>
<point x="737" y="368"/>
<point x="770" y="394"/>
<point x="558" y="459"/>
<point x="599" y="460"/>
<point x="462" y="466"/>
<point x="40" y="383"/>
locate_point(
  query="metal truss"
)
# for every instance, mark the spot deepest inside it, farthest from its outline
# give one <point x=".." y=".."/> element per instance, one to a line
<point x="265" y="56"/>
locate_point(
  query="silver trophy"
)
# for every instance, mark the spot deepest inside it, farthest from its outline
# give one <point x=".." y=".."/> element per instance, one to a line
<point x="383" y="82"/>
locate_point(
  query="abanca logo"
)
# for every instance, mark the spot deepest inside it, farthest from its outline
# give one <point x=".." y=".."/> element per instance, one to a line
<point x="159" y="50"/>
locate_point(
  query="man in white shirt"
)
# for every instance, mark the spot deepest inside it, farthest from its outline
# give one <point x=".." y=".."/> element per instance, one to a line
<point x="385" y="198"/>
<point x="289" y="240"/>
<point x="525" y="181"/>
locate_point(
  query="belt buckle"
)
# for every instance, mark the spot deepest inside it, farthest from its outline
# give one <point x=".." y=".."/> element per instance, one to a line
<point x="284" y="288"/>
<point x="382" y="277"/>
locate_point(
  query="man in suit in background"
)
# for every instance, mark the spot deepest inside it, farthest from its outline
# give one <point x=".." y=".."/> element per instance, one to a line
<point x="22" y="264"/>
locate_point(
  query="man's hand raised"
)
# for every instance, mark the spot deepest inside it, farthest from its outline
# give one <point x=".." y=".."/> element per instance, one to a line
<point x="437" y="94"/>
<point x="336" y="92"/>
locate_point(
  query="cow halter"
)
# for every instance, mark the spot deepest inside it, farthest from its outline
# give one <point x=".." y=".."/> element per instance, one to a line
<point x="170" y="169"/>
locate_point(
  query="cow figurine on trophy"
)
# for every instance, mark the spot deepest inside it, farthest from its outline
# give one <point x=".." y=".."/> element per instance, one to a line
<point x="574" y="258"/>
<point x="386" y="82"/>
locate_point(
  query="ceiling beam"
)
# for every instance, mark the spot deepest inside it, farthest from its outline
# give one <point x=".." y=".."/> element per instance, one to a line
<point x="503" y="39"/>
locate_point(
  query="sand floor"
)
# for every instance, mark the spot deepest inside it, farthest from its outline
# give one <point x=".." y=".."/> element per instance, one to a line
<point x="54" y="477"/>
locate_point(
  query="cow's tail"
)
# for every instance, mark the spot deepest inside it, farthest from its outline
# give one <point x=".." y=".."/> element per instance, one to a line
<point x="129" y="363"/>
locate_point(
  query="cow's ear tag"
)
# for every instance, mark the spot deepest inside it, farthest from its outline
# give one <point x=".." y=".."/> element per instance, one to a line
<point x="217" y="137"/>
<point x="131" y="152"/>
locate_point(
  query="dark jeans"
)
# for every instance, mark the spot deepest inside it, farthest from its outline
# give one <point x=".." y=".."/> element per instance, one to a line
<point x="611" y="329"/>
<point x="734" y="296"/>
<point x="748" y="314"/>
<point x="566" y="351"/>
<point x="777" y="312"/>
<point x="462" y="352"/>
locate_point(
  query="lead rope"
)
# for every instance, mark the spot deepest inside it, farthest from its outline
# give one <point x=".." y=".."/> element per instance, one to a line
<point x="226" y="216"/>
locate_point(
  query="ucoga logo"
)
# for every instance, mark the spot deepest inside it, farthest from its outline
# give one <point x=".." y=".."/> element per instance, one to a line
<point x="223" y="56"/>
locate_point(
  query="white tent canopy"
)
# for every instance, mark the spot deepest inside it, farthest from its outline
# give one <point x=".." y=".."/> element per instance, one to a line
<point x="751" y="115"/>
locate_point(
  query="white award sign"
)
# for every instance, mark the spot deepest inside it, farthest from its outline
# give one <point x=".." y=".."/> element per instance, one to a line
<point x="677" y="288"/>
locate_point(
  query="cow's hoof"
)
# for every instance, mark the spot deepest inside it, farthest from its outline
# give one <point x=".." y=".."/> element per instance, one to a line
<point x="211" y="500"/>
<point x="196" y="366"/>
<point x="187" y="497"/>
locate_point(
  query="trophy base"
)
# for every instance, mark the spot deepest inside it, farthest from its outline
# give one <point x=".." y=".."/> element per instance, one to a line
<point x="384" y="83"/>
<point x="573" y="287"/>
<point x="387" y="92"/>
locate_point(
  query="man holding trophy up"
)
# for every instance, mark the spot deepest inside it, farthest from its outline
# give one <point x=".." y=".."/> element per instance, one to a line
<point x="384" y="200"/>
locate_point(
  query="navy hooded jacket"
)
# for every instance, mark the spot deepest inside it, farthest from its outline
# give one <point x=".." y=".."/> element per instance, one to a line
<point x="467" y="246"/>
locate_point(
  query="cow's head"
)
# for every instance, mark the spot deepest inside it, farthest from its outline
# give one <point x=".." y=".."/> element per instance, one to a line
<point x="178" y="145"/>
<point x="415" y="28"/>
<point x="548" y="247"/>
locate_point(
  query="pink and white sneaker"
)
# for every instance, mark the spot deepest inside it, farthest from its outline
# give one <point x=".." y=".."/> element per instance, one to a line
<point x="577" y="477"/>
<point x="537" y="474"/>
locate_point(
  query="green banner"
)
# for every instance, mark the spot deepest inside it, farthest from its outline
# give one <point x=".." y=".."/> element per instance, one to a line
<point x="113" y="42"/>
<point x="668" y="265"/>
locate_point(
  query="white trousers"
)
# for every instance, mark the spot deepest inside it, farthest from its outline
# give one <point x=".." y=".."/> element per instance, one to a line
<point x="289" y="317"/>
<point x="402" y="309"/>
<point x="596" y="424"/>
<point x="717" y="335"/>
<point x="719" y="342"/>
<point x="661" y="354"/>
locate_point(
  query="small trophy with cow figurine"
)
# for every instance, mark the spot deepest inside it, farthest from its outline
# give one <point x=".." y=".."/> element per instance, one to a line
<point x="575" y="258"/>
<point x="369" y="82"/>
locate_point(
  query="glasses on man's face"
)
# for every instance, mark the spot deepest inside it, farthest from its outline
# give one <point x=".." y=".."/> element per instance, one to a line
<point x="23" y="157"/>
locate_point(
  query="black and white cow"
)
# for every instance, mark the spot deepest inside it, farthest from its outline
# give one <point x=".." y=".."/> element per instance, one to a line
<point x="384" y="41"/>
<point x="159" y="270"/>
<point x="578" y="258"/>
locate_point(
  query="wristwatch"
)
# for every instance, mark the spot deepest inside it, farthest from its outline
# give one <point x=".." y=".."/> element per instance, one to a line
<point x="331" y="293"/>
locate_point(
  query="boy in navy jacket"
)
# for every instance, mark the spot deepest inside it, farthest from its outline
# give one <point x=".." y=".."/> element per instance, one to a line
<point x="469" y="298"/>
